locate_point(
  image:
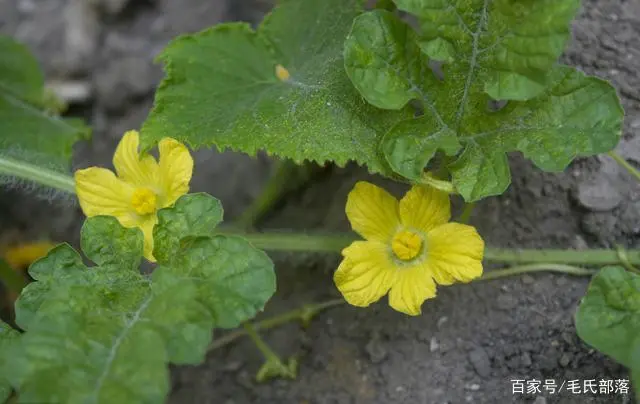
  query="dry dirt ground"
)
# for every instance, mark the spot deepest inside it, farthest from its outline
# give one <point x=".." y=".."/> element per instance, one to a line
<point x="470" y="341"/>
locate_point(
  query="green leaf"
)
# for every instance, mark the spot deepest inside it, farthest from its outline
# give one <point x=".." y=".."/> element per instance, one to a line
<point x="222" y="88"/>
<point x="8" y="337"/>
<point x="506" y="45"/>
<point x="60" y="264"/>
<point x="574" y="115"/>
<point x="34" y="142"/>
<point x="608" y="317"/>
<point x="106" y="242"/>
<point x="234" y="279"/>
<point x="106" y="334"/>
<point x="191" y="215"/>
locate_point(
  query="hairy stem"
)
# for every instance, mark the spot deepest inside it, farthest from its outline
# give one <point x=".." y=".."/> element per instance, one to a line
<point x="276" y="241"/>
<point x="37" y="174"/>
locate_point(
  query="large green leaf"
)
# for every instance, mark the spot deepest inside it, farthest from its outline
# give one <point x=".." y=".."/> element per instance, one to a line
<point x="505" y="47"/>
<point x="7" y="338"/>
<point x="608" y="317"/>
<point x="32" y="139"/>
<point x="222" y="88"/>
<point x="492" y="50"/>
<point x="106" y="334"/>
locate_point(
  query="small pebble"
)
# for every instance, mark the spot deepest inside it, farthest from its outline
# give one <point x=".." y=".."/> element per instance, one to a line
<point x="433" y="344"/>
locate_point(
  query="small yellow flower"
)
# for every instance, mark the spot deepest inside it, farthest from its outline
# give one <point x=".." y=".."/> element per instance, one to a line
<point x="20" y="256"/>
<point x="142" y="187"/>
<point x="409" y="247"/>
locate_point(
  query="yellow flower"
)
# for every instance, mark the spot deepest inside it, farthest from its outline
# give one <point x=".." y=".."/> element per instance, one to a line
<point x="19" y="257"/>
<point x="143" y="185"/>
<point x="409" y="247"/>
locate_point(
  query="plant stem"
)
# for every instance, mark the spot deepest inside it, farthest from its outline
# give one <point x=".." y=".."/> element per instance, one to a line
<point x="266" y="352"/>
<point x="275" y="241"/>
<point x="296" y="314"/>
<point x="522" y="269"/>
<point x="40" y="175"/>
<point x="302" y="313"/>
<point x="597" y="257"/>
<point x="281" y="241"/>
<point x="625" y="164"/>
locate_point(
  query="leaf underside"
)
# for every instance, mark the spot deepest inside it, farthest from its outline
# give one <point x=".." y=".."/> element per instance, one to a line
<point x="487" y="50"/>
<point x="105" y="334"/>
<point x="28" y="132"/>
<point x="221" y="88"/>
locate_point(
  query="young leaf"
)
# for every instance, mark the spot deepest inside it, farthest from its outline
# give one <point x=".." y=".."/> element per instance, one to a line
<point x="106" y="242"/>
<point x="572" y="115"/>
<point x="8" y="337"/>
<point x="33" y="139"/>
<point x="282" y="89"/>
<point x="191" y="215"/>
<point x="61" y="264"/>
<point x="105" y="334"/>
<point x="608" y="317"/>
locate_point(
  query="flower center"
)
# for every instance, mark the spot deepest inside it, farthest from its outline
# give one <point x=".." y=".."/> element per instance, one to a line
<point x="144" y="201"/>
<point x="406" y="245"/>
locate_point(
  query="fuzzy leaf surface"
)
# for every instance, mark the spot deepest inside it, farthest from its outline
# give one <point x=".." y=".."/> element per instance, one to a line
<point x="222" y="88"/>
<point x="553" y="115"/>
<point x="106" y="334"/>
<point x="192" y="215"/>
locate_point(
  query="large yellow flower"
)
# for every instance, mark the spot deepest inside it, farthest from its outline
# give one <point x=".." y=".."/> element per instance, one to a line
<point x="142" y="186"/>
<point x="409" y="247"/>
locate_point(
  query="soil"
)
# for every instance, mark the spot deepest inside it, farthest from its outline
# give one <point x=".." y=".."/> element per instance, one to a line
<point x="472" y="340"/>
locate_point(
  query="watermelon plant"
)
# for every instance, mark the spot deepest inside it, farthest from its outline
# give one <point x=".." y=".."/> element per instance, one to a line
<point x="430" y="93"/>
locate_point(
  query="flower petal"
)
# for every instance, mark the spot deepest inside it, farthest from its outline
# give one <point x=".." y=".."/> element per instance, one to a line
<point x="454" y="253"/>
<point x="424" y="208"/>
<point x="147" y="230"/>
<point x="176" y="167"/>
<point x="100" y="192"/>
<point x="373" y="212"/>
<point x="365" y="274"/>
<point x="414" y="286"/>
<point x="131" y="166"/>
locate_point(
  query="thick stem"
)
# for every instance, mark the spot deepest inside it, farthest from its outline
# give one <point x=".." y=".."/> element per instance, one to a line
<point x="275" y="241"/>
<point x="37" y="174"/>
<point x="596" y="257"/>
